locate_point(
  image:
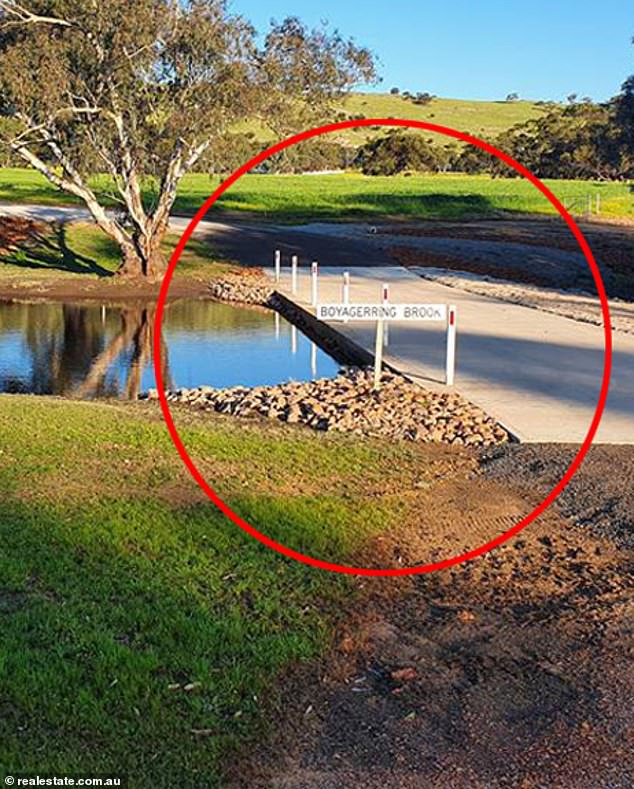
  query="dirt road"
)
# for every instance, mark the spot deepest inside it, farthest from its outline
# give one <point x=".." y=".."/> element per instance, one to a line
<point x="531" y="250"/>
<point x="512" y="671"/>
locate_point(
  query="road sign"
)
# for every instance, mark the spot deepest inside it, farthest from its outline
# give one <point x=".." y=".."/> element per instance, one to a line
<point x="382" y="312"/>
<point x="385" y="312"/>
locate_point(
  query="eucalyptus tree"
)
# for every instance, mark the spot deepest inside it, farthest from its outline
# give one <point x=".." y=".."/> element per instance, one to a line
<point x="141" y="91"/>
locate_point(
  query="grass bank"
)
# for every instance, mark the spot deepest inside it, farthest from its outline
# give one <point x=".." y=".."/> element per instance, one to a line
<point x="298" y="198"/>
<point x="76" y="261"/>
<point x="140" y="631"/>
<point x="81" y="248"/>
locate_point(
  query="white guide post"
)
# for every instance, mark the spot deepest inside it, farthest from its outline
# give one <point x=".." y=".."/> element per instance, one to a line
<point x="278" y="264"/>
<point x="378" y="353"/>
<point x="345" y="294"/>
<point x="294" y="274"/>
<point x="293" y="339"/>
<point x="451" y="345"/>
<point x="314" y="282"/>
<point x="386" y="300"/>
<point x="313" y="359"/>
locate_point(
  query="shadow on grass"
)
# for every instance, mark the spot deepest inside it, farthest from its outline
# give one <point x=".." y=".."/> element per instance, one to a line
<point x="51" y="251"/>
<point x="357" y="205"/>
<point x="109" y="611"/>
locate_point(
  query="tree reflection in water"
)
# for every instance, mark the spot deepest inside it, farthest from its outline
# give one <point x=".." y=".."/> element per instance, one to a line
<point x="133" y="343"/>
<point x="76" y="350"/>
<point x="94" y="351"/>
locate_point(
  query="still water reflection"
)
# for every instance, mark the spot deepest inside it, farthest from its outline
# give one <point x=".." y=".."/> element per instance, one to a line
<point x="106" y="351"/>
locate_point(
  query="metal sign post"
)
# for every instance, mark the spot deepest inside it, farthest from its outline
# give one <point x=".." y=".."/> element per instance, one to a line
<point x="345" y="293"/>
<point x="450" y="368"/>
<point x="386" y="299"/>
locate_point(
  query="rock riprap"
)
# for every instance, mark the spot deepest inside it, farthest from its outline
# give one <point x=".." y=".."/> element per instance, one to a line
<point x="243" y="288"/>
<point x="348" y="403"/>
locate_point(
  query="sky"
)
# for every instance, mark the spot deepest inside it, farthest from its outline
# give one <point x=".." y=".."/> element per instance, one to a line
<point x="483" y="49"/>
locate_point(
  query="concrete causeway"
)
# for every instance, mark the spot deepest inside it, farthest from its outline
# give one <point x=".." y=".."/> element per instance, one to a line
<point x="536" y="372"/>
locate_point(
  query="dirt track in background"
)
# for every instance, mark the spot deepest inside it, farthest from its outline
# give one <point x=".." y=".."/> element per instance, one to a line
<point x="513" y="670"/>
<point x="502" y="248"/>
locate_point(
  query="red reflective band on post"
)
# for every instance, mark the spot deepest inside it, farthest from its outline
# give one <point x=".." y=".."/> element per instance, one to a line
<point x="452" y="317"/>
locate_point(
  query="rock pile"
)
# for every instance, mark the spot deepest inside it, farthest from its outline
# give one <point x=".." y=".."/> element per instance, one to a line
<point x="348" y="403"/>
<point x="243" y="288"/>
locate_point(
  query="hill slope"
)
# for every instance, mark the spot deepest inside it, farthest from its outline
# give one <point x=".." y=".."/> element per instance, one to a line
<point x="482" y="118"/>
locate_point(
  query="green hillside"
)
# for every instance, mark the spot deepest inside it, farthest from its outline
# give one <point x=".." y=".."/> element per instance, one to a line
<point x="482" y="118"/>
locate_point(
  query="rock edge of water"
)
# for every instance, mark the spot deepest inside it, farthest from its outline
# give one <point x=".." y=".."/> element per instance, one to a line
<point x="348" y="403"/>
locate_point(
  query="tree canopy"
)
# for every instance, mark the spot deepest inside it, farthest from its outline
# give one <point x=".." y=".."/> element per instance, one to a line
<point x="143" y="90"/>
<point x="579" y="141"/>
<point x="396" y="152"/>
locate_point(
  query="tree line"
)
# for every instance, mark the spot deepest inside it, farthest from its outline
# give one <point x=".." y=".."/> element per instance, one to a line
<point x="585" y="140"/>
<point x="582" y="140"/>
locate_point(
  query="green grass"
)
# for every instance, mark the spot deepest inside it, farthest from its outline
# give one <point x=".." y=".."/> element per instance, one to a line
<point x="441" y="196"/>
<point x="120" y="584"/>
<point x="81" y="248"/>
<point x="484" y="119"/>
<point x="297" y="198"/>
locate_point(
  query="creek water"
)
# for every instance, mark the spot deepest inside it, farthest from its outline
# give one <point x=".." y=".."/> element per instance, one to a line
<point x="105" y="350"/>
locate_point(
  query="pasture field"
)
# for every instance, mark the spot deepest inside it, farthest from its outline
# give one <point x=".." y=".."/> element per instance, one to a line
<point x="350" y="196"/>
<point x="142" y="632"/>
<point x="439" y="196"/>
<point x="483" y="118"/>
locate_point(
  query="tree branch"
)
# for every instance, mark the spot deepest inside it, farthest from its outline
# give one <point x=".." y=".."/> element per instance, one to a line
<point x="75" y="186"/>
<point x="132" y="189"/>
<point x="23" y="16"/>
<point x="176" y="169"/>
